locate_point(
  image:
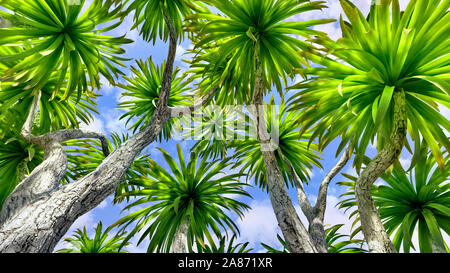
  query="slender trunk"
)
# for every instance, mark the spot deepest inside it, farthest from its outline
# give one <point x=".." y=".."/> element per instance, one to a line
<point x="374" y="233"/>
<point x="180" y="239"/>
<point x="295" y="234"/>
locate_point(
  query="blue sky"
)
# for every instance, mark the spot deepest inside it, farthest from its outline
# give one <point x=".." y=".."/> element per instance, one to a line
<point x="259" y="224"/>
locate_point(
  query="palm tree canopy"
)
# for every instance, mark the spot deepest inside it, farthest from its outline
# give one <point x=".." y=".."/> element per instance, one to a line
<point x="248" y="25"/>
<point x="197" y="193"/>
<point x="142" y="94"/>
<point x="292" y="150"/>
<point x="418" y="202"/>
<point x="64" y="42"/>
<point x="149" y="15"/>
<point x="82" y="243"/>
<point x="350" y="95"/>
<point x="214" y="129"/>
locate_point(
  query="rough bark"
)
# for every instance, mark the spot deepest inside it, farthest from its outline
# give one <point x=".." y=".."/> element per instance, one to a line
<point x="294" y="232"/>
<point x="180" y="238"/>
<point x="374" y="233"/>
<point x="39" y="223"/>
<point x="315" y="214"/>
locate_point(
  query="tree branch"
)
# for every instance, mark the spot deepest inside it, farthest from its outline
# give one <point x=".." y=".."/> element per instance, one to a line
<point x="305" y="205"/>
<point x="321" y="202"/>
<point x="166" y="84"/>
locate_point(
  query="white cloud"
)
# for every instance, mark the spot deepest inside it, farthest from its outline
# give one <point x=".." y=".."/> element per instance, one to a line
<point x="106" y="86"/>
<point x="180" y="52"/>
<point x="95" y="125"/>
<point x="113" y="121"/>
<point x="259" y="225"/>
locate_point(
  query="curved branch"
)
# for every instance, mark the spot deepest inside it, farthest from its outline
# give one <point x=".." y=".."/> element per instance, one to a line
<point x="305" y="205"/>
<point x="166" y="84"/>
<point x="373" y="229"/>
<point x="321" y="203"/>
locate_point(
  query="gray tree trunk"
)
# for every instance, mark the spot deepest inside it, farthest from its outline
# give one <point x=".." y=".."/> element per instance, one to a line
<point x="374" y="233"/>
<point x="294" y="232"/>
<point x="180" y="239"/>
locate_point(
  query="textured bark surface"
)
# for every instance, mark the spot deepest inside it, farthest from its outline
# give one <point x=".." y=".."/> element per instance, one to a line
<point x="38" y="226"/>
<point x="374" y="233"/>
<point x="180" y="238"/>
<point x="294" y="232"/>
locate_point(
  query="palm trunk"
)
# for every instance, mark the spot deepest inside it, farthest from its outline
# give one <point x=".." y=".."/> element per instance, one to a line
<point x="180" y="239"/>
<point x="295" y="234"/>
<point x="374" y="233"/>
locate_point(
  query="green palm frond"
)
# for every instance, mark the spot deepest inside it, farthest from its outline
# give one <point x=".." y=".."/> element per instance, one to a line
<point x="82" y="243"/>
<point x="18" y="158"/>
<point x="337" y="245"/>
<point x="291" y="149"/>
<point x="85" y="155"/>
<point x="390" y="51"/>
<point x="197" y="192"/>
<point x="407" y="204"/>
<point x="149" y="16"/>
<point x="56" y="39"/>
<point x="55" y="113"/>
<point x="246" y="25"/>
<point x="142" y="94"/>
<point x="271" y="249"/>
<point x="209" y="71"/>
<point x="214" y="129"/>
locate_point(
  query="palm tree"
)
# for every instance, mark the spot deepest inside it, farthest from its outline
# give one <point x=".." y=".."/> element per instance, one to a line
<point x="82" y="243"/>
<point x="224" y="246"/>
<point x="70" y="47"/>
<point x="390" y="74"/>
<point x="183" y="205"/>
<point x="50" y="51"/>
<point x="295" y="157"/>
<point x="256" y="41"/>
<point x="418" y="202"/>
<point x="332" y="237"/>
<point x="17" y="159"/>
